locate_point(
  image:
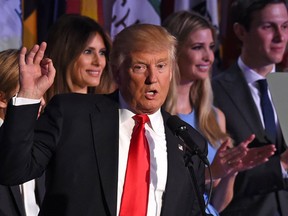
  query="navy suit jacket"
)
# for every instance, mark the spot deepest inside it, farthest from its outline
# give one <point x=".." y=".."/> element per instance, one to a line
<point x="76" y="141"/>
<point x="261" y="190"/>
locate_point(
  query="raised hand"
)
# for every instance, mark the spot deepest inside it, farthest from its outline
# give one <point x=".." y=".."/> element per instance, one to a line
<point x="36" y="72"/>
<point x="229" y="161"/>
<point x="256" y="156"/>
<point x="225" y="156"/>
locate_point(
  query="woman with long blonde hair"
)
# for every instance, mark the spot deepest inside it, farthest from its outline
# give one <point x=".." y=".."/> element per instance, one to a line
<point x="194" y="104"/>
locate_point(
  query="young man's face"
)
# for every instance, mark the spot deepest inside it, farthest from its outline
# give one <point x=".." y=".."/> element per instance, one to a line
<point x="266" y="40"/>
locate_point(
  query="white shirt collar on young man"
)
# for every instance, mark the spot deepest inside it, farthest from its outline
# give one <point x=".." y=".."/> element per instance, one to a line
<point x="252" y="77"/>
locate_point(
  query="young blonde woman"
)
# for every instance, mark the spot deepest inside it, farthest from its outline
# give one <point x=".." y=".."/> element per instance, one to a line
<point x="195" y="53"/>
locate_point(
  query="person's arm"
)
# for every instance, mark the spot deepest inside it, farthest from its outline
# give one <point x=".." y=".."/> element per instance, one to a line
<point x="21" y="157"/>
<point x="223" y="193"/>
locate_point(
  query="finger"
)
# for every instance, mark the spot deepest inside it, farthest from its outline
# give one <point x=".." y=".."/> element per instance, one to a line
<point x="235" y="153"/>
<point x="30" y="56"/>
<point x="225" y="145"/>
<point x="40" y="53"/>
<point x="22" y="56"/>
<point x="248" y="140"/>
<point x="45" y="65"/>
<point x="51" y="70"/>
<point x="264" y="150"/>
<point x="257" y="156"/>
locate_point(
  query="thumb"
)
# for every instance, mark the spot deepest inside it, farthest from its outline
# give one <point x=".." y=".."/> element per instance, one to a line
<point x="246" y="142"/>
<point x="225" y="144"/>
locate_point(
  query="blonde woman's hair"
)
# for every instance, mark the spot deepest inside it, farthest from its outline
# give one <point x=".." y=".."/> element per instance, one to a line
<point x="9" y="72"/>
<point x="181" y="24"/>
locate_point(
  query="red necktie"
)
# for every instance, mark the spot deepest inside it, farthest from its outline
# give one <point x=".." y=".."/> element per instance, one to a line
<point x="136" y="187"/>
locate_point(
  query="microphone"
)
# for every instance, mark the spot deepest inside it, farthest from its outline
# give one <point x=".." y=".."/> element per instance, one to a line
<point x="177" y="126"/>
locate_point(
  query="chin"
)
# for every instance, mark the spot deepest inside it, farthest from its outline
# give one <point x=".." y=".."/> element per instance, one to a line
<point x="94" y="84"/>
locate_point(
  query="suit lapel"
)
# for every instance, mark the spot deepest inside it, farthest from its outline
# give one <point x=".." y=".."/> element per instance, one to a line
<point x="15" y="190"/>
<point x="106" y="118"/>
<point x="236" y="87"/>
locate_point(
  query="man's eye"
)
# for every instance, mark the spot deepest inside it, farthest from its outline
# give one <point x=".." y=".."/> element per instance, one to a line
<point x="161" y="66"/>
<point x="139" y="68"/>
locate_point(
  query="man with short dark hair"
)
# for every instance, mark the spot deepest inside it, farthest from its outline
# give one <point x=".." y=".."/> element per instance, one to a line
<point x="241" y="93"/>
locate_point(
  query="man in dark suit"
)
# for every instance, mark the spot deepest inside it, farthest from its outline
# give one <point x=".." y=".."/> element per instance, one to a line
<point x="262" y="28"/>
<point x="11" y="199"/>
<point x="82" y="141"/>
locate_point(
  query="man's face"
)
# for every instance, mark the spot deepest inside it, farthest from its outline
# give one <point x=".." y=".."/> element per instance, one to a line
<point x="144" y="81"/>
<point x="266" y="40"/>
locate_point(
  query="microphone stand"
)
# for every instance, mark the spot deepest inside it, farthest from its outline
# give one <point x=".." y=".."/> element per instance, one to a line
<point x="189" y="164"/>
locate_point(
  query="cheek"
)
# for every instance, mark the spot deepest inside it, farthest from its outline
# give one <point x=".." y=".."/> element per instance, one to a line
<point x="190" y="59"/>
<point x="104" y="62"/>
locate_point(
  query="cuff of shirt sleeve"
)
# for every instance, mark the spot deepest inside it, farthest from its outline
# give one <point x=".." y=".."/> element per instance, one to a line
<point x="18" y="101"/>
<point x="284" y="172"/>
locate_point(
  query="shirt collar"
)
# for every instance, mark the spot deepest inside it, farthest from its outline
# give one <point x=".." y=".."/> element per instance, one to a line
<point x="250" y="75"/>
<point x="126" y="114"/>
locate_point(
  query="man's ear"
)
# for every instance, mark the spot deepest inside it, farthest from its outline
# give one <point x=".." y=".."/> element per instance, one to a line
<point x="3" y="101"/>
<point x="116" y="75"/>
<point x="239" y="31"/>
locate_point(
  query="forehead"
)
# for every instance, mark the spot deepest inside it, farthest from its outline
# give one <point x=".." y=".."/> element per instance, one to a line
<point x="95" y="40"/>
<point x="149" y="57"/>
<point x="272" y="13"/>
<point x="200" y="35"/>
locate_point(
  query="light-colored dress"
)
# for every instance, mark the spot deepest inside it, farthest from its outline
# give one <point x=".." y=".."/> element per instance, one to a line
<point x="191" y="119"/>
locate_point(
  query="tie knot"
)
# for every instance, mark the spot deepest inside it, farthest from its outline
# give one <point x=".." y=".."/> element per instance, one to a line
<point x="263" y="85"/>
<point x="141" y="119"/>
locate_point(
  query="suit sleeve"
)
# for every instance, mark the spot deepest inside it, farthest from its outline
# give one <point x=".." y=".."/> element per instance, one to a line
<point x="27" y="144"/>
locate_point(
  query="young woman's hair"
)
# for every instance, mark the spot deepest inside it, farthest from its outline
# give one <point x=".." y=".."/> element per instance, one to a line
<point x="181" y="24"/>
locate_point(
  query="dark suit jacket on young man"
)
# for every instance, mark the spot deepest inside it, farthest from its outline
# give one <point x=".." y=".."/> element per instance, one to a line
<point x="261" y="190"/>
<point x="11" y="200"/>
<point x="77" y="140"/>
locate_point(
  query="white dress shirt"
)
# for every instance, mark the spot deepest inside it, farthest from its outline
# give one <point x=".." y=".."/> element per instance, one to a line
<point x="28" y="193"/>
<point x="155" y="134"/>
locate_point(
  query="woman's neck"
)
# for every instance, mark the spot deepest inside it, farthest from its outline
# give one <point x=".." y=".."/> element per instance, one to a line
<point x="184" y="105"/>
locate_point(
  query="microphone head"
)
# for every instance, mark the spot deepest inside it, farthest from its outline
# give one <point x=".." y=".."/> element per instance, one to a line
<point x="175" y="124"/>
